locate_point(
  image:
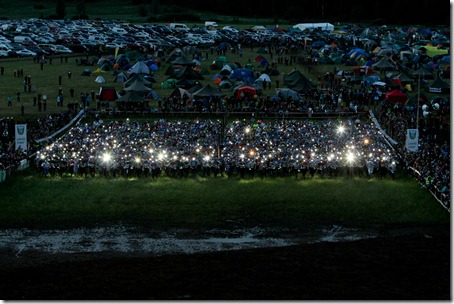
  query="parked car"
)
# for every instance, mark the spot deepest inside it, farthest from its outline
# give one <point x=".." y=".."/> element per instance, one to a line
<point x="25" y="53"/>
<point x="113" y="45"/>
<point x="78" y="48"/>
<point x="61" y="49"/>
<point x="39" y="51"/>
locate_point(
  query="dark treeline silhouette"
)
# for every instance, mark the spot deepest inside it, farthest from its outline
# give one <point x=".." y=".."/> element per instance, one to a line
<point x="402" y="12"/>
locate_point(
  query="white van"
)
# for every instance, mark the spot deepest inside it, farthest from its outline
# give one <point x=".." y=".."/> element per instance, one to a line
<point x="211" y="25"/>
<point x="119" y="30"/>
<point x="24" y="40"/>
<point x="179" y="27"/>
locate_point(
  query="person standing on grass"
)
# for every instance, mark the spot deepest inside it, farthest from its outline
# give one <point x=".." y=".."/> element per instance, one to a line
<point x="44" y="102"/>
<point x="87" y="100"/>
<point x="10" y="101"/>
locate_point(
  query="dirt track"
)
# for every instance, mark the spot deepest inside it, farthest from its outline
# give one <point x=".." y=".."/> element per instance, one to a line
<point x="413" y="267"/>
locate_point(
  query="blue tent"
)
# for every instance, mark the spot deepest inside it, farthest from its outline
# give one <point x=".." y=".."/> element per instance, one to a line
<point x="243" y="74"/>
<point x="355" y="53"/>
<point x="371" y="79"/>
<point x="446" y="59"/>
<point x="319" y="43"/>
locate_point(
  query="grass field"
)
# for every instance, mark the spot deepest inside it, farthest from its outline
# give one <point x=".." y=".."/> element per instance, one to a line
<point x="29" y="200"/>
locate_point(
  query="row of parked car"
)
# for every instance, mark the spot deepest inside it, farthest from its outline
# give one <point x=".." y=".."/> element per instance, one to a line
<point x="35" y="37"/>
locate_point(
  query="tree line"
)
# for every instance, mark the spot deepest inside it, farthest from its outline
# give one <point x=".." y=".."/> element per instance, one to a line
<point x="402" y="12"/>
<point x="436" y="12"/>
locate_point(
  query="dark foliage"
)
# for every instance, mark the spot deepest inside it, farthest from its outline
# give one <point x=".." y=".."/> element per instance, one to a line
<point x="393" y="12"/>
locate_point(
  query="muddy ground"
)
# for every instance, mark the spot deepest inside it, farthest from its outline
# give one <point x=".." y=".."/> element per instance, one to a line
<point x="409" y="267"/>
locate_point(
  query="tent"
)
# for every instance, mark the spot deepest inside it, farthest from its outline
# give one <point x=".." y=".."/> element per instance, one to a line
<point x="180" y="93"/>
<point x="86" y="72"/>
<point x="137" y="77"/>
<point x="188" y="73"/>
<point x="265" y="77"/>
<point x="439" y="86"/>
<point x="107" y="94"/>
<point x="226" y="70"/>
<point x="403" y="78"/>
<point x="396" y="95"/>
<point x="312" y="26"/>
<point x="208" y="91"/>
<point x="121" y="77"/>
<point x="182" y="61"/>
<point x="368" y="80"/>
<point x="295" y="79"/>
<point x="243" y="74"/>
<point x="139" y="68"/>
<point x="285" y="94"/>
<point x="383" y="65"/>
<point x="139" y="84"/>
<point x="169" y="83"/>
<point x="362" y="70"/>
<point x="246" y="91"/>
<point x="132" y="96"/>
<point x="225" y="84"/>
<point x="423" y="73"/>
<point x="100" y="79"/>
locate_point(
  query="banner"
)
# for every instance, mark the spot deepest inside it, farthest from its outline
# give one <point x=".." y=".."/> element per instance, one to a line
<point x="412" y="140"/>
<point x="21" y="137"/>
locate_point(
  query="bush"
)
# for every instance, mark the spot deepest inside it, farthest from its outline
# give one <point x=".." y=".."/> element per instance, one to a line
<point x="38" y="6"/>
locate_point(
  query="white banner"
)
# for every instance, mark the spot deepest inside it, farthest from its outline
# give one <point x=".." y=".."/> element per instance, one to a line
<point x="21" y="136"/>
<point x="412" y="140"/>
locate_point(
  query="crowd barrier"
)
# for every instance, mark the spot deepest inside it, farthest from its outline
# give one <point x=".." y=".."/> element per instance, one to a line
<point x="442" y="198"/>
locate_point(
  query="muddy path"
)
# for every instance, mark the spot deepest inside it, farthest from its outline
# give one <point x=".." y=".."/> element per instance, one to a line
<point x="398" y="264"/>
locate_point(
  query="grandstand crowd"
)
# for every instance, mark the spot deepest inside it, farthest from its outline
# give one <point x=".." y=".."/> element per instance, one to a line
<point x="244" y="148"/>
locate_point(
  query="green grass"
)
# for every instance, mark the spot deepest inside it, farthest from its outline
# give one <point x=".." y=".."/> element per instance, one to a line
<point x="29" y="200"/>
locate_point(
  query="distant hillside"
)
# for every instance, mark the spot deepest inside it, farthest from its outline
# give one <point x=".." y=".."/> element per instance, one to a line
<point x="435" y="12"/>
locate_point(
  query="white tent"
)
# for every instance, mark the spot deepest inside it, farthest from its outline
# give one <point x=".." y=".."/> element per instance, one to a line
<point x="139" y="68"/>
<point x="100" y="79"/>
<point x="265" y="77"/>
<point x="311" y="26"/>
<point x="227" y="68"/>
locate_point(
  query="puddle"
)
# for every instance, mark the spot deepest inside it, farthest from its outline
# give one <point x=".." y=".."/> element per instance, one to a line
<point x="129" y="240"/>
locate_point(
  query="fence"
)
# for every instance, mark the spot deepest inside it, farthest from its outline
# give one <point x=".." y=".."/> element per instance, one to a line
<point x="442" y="198"/>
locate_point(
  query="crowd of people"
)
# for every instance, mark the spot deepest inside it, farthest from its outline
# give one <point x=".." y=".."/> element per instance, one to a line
<point x="210" y="148"/>
<point x="430" y="165"/>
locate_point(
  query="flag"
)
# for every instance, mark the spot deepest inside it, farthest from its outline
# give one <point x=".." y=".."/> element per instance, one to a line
<point x="412" y="140"/>
<point x="21" y="137"/>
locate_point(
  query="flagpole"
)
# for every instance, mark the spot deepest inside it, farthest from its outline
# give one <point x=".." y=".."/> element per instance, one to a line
<point x="417" y="109"/>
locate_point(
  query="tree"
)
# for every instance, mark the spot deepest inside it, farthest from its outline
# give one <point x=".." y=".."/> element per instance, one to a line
<point x="155" y="7"/>
<point x="81" y="9"/>
<point x="60" y="9"/>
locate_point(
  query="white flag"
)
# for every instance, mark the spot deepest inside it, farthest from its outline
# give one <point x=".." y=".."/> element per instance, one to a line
<point x="21" y="136"/>
<point x="412" y="140"/>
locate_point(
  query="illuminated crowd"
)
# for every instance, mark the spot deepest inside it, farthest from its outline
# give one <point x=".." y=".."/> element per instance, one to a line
<point x="244" y="149"/>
